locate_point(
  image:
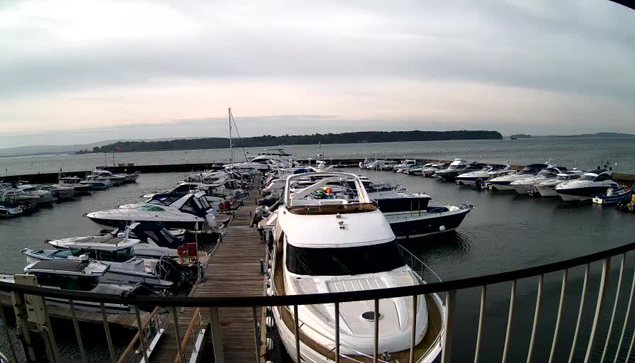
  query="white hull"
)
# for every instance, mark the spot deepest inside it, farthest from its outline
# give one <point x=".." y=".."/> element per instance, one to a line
<point x="574" y="198"/>
<point x="547" y="191"/>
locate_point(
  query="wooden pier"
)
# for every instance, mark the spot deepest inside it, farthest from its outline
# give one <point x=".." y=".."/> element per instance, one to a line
<point x="232" y="270"/>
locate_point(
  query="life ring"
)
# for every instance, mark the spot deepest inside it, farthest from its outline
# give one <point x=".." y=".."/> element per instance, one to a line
<point x="182" y="251"/>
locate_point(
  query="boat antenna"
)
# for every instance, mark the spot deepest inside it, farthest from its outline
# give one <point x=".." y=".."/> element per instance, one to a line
<point x="231" y="150"/>
<point x="233" y="120"/>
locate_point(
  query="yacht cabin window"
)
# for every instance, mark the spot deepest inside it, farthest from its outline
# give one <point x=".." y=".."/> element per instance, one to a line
<point x="123" y="255"/>
<point x="65" y="282"/>
<point x="343" y="261"/>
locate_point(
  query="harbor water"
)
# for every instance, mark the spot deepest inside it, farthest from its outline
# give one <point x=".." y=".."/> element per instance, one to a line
<point x="504" y="232"/>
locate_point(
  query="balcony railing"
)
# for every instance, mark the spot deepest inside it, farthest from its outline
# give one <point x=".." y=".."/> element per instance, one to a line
<point x="448" y="289"/>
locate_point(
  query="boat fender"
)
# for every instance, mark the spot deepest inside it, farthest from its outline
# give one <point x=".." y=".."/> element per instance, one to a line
<point x="442" y="228"/>
<point x="269" y="344"/>
<point x="269" y="322"/>
<point x="269" y="292"/>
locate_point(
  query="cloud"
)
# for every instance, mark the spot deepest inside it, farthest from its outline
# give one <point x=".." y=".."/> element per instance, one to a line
<point x="73" y="65"/>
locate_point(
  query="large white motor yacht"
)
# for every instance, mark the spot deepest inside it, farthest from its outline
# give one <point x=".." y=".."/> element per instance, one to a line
<point x="547" y="188"/>
<point x="527" y="185"/>
<point x="329" y="244"/>
<point x="503" y="183"/>
<point x="483" y="175"/>
<point x="587" y="186"/>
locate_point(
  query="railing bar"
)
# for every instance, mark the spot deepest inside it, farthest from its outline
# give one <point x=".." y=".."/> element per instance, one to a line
<point x="217" y="340"/>
<point x="481" y="318"/>
<point x="142" y="338"/>
<point x="337" y="332"/>
<point x="262" y="323"/>
<point x="297" y="334"/>
<point x="630" y="348"/>
<point x="51" y="336"/>
<point x="541" y="281"/>
<point x="606" y="270"/>
<point x="510" y="319"/>
<point x="111" y="349"/>
<point x="450" y="305"/>
<point x="77" y="332"/>
<point x="413" y="335"/>
<point x="585" y="284"/>
<point x="376" y="336"/>
<point x="617" y="299"/>
<point x="628" y="311"/>
<point x="177" y="333"/>
<point x="563" y="292"/>
<point x="7" y="334"/>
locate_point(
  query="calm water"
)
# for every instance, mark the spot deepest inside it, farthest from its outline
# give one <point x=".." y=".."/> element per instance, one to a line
<point x="504" y="232"/>
<point x="584" y="153"/>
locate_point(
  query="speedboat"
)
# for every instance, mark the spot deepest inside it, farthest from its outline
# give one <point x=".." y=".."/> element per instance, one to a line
<point x="105" y="175"/>
<point x="503" y="183"/>
<point x="189" y="211"/>
<point x="96" y="184"/>
<point x="10" y="210"/>
<point x="152" y="240"/>
<point x="132" y="177"/>
<point x="75" y="183"/>
<point x="405" y="165"/>
<point x="547" y="188"/>
<point x="614" y="196"/>
<point x="527" y="185"/>
<point x="587" y="186"/>
<point x="265" y="161"/>
<point x="59" y="192"/>
<point x="389" y="165"/>
<point x="457" y="167"/>
<point x="41" y="196"/>
<point x="76" y="275"/>
<point x="336" y="244"/>
<point x="483" y="175"/>
<point x="429" y="170"/>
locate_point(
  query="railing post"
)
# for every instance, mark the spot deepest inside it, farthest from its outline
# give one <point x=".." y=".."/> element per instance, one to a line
<point x="541" y="281"/>
<point x="450" y="305"/>
<point x="77" y="332"/>
<point x="5" y="326"/>
<point x="481" y="318"/>
<point x="606" y="269"/>
<point x="111" y="349"/>
<point x="628" y="312"/>
<point x="413" y="335"/>
<point x="337" y="332"/>
<point x="617" y="299"/>
<point x="563" y="291"/>
<point x="142" y="338"/>
<point x="217" y="339"/>
<point x="297" y="334"/>
<point x="585" y="284"/>
<point x="376" y="336"/>
<point x="510" y="319"/>
<point x="257" y="346"/>
<point x="177" y="333"/>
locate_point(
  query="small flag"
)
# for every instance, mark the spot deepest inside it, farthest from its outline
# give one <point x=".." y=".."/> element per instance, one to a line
<point x="117" y="149"/>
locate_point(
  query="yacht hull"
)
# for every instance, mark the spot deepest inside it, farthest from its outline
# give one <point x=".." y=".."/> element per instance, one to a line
<point x="408" y="225"/>
<point x="580" y="194"/>
<point x="190" y="225"/>
<point x="547" y="191"/>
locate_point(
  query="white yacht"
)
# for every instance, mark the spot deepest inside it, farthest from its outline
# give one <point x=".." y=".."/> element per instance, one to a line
<point x="502" y="183"/>
<point x="75" y="183"/>
<point x="42" y="196"/>
<point x="187" y="211"/>
<point x="587" y="186"/>
<point x="337" y="244"/>
<point x="483" y="175"/>
<point x="272" y="157"/>
<point x="10" y="210"/>
<point x="457" y="167"/>
<point x="105" y="175"/>
<point x="404" y="166"/>
<point x="428" y="170"/>
<point x="527" y="185"/>
<point x="547" y="188"/>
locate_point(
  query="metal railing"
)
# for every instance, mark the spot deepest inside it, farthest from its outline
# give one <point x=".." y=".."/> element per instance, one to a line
<point x="449" y="288"/>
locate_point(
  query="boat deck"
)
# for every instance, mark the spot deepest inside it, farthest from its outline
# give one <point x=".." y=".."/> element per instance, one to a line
<point x="232" y="270"/>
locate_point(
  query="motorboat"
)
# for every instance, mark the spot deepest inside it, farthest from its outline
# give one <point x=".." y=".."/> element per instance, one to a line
<point x="428" y="170"/>
<point x="59" y="192"/>
<point x="213" y="194"/>
<point x="587" y="186"/>
<point x="411" y="216"/>
<point x="614" y="196"/>
<point x="105" y="175"/>
<point x="483" y="175"/>
<point x="503" y="183"/>
<point x="76" y="275"/>
<point x="547" y="188"/>
<point x="389" y="165"/>
<point x="152" y="240"/>
<point x="528" y="185"/>
<point x="269" y="159"/>
<point x="131" y="177"/>
<point x="457" y="167"/>
<point x="17" y="196"/>
<point x="337" y="244"/>
<point x="124" y="266"/>
<point x="405" y="165"/>
<point x="10" y="210"/>
<point x="75" y="183"/>
<point x="41" y="196"/>
<point x="190" y="211"/>
<point x="96" y="184"/>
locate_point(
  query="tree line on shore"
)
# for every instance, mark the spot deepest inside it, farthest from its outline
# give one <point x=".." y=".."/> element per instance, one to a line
<point x="269" y="140"/>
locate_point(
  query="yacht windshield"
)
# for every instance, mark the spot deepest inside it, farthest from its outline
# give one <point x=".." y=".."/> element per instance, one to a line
<point x="343" y="261"/>
<point x="587" y="177"/>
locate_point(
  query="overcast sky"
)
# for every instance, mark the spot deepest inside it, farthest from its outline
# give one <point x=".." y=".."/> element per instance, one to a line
<point x="75" y="72"/>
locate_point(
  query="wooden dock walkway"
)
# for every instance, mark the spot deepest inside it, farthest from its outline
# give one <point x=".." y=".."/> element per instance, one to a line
<point x="232" y="270"/>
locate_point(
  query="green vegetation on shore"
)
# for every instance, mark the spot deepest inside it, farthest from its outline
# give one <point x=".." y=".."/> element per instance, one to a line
<point x="268" y="140"/>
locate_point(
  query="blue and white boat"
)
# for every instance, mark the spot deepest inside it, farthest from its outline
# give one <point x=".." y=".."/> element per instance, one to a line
<point x="613" y="196"/>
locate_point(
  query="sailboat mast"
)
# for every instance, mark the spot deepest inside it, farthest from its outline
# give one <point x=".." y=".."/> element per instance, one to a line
<point x="231" y="150"/>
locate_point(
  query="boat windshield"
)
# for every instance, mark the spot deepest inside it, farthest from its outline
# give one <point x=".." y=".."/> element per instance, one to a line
<point x="343" y="261"/>
<point x="589" y="177"/>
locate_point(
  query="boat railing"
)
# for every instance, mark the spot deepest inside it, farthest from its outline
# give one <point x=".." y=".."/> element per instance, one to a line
<point x="609" y="323"/>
